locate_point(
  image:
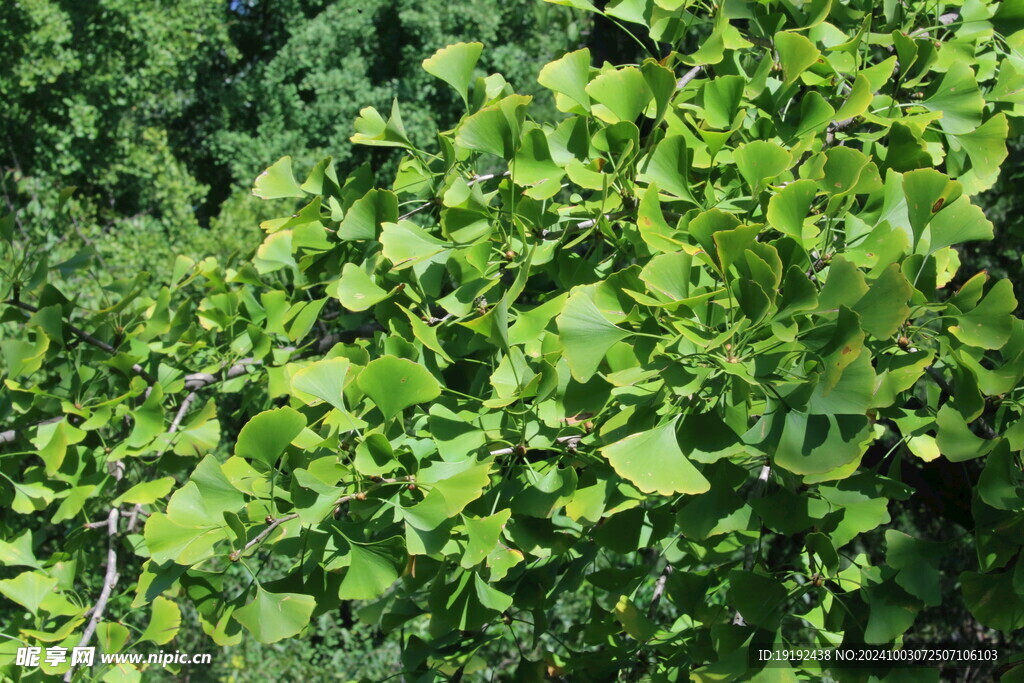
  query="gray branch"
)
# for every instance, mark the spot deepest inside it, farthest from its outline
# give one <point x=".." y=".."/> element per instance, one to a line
<point x="109" y="582"/>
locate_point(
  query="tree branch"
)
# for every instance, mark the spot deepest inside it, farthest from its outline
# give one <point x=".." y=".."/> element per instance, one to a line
<point x="659" y="589"/>
<point x="274" y="523"/>
<point x="689" y="76"/>
<point x="259" y="538"/>
<point x="86" y="337"/>
<point x="835" y="126"/>
<point x="422" y="207"/>
<point x="488" y="176"/>
<point x="109" y="581"/>
<point x="572" y="439"/>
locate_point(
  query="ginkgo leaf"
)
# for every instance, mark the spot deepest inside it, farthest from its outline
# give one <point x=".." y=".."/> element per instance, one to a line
<point x="454" y="65"/>
<point x="397" y="383"/>
<point x="653" y="461"/>
<point x="586" y="334"/>
<point x="277" y="181"/>
<point x="271" y="617"/>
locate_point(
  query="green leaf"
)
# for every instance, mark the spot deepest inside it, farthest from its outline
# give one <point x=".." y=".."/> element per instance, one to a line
<point x="619" y="94"/>
<point x="364" y="218"/>
<point x="1000" y="483"/>
<point x="18" y="552"/>
<point x="28" y="589"/>
<point x="457" y="484"/>
<point x="372" y="569"/>
<point x="373" y="130"/>
<point x="857" y="102"/>
<point x="760" y="600"/>
<point x="790" y="207"/>
<point x="989" y="324"/>
<point x="722" y="97"/>
<point x="958" y="98"/>
<point x="324" y="380"/>
<point x="927" y="192"/>
<point x="892" y="612"/>
<point x="796" y="54"/>
<point x="668" y="167"/>
<point x="164" y="621"/>
<point x="634" y="622"/>
<point x="454" y="65"/>
<point x="483" y="534"/>
<point x="759" y="161"/>
<point x="994" y="600"/>
<point x="986" y="146"/>
<point x="277" y="181"/>
<point x="917" y="563"/>
<point x="569" y="76"/>
<point x="653" y="461"/>
<point x="394" y="384"/>
<point x="885" y="306"/>
<point x="586" y="335"/>
<point x="271" y="617"/>
<point x="955" y="439"/>
<point x="843" y="347"/>
<point x="534" y="165"/>
<point x="406" y="244"/>
<point x="146" y="492"/>
<point x="494" y="129"/>
<point x="961" y="222"/>
<point x="814" y="444"/>
<point x="356" y="290"/>
<point x="267" y="434"/>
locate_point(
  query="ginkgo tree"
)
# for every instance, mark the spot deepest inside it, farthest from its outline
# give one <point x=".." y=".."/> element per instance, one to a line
<point x="676" y="364"/>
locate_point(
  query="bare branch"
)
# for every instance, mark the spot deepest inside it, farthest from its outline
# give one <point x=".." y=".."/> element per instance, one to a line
<point x="659" y="589"/>
<point x="422" y="207"/>
<point x="835" y="126"/>
<point x="689" y="76"/>
<point x="109" y="582"/>
<point x="489" y="176"/>
<point x="258" y="538"/>
<point x="570" y="440"/>
<point x="274" y="523"/>
<point x="182" y="409"/>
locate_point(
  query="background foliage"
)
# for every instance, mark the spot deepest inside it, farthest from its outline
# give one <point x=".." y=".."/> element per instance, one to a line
<point x="686" y="355"/>
<point x="160" y="116"/>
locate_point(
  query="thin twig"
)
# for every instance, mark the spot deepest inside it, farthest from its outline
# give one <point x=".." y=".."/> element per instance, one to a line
<point x="487" y="176"/>
<point x="689" y="76"/>
<point x="659" y="589"/>
<point x="835" y="126"/>
<point x="274" y="523"/>
<point x="437" y="321"/>
<point x="258" y="538"/>
<point x="571" y="440"/>
<point x="422" y="207"/>
<point x="86" y="337"/>
<point x="109" y="581"/>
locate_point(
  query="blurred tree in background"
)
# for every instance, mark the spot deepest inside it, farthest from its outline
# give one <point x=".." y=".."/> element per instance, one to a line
<point x="161" y="114"/>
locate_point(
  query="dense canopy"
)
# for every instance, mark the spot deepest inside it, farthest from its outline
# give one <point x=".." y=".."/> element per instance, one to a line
<point x="669" y="362"/>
